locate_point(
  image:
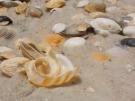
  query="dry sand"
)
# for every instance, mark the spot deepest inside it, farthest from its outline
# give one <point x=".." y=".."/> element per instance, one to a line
<point x="99" y="81"/>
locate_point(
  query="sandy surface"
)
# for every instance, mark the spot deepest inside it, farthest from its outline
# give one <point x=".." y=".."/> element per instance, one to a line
<point x="110" y="80"/>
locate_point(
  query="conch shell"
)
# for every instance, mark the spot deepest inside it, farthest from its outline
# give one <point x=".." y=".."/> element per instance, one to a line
<point x="51" y="70"/>
<point x="11" y="66"/>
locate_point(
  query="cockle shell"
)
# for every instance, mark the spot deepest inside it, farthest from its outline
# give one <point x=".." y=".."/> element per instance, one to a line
<point x="28" y="49"/>
<point x="105" y="25"/>
<point x="11" y="66"/>
<point x="51" y="70"/>
<point x="54" y="4"/>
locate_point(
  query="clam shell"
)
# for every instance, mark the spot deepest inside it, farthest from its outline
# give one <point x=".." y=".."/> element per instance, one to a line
<point x="6" y="53"/>
<point x="74" y="42"/>
<point x="54" y="4"/>
<point x="105" y="25"/>
<point x="59" y="27"/>
<point x="129" y="30"/>
<point x="11" y="66"/>
<point x="55" y="71"/>
<point x="82" y="3"/>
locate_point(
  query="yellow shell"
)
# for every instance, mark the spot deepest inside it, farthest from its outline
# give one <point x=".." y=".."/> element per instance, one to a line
<point x="11" y="66"/>
<point x="54" y="4"/>
<point x="51" y="70"/>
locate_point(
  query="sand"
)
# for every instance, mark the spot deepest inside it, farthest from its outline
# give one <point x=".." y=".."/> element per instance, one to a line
<point x="112" y="80"/>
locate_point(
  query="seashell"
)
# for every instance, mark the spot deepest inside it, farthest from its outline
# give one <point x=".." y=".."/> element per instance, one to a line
<point x="11" y="66"/>
<point x="74" y="42"/>
<point x="59" y="27"/>
<point x="6" y="53"/>
<point x="53" y="39"/>
<point x="129" y="30"/>
<point x="54" y="4"/>
<point x="9" y="3"/>
<point x="99" y="56"/>
<point x="95" y="6"/>
<point x="130" y="21"/>
<point x="105" y="25"/>
<point x="82" y="3"/>
<point x="29" y="49"/>
<point x="35" y="12"/>
<point x="53" y="70"/>
<point x="4" y="20"/>
<point x="21" y="8"/>
<point x="128" y="42"/>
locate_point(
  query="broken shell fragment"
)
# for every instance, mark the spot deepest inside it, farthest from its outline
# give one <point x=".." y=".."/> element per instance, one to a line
<point x="105" y="25"/>
<point x="53" y="39"/>
<point x="21" y="8"/>
<point x="50" y="72"/>
<point x="54" y="4"/>
<point x="35" y="12"/>
<point x="82" y="3"/>
<point x="6" y="53"/>
<point x="59" y="27"/>
<point x="95" y="6"/>
<point x="11" y="66"/>
<point x="74" y="42"/>
<point x="29" y="49"/>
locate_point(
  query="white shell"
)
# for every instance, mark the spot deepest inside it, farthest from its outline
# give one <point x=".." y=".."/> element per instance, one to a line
<point x="129" y="30"/>
<point x="74" y="42"/>
<point x="82" y="3"/>
<point x="59" y="27"/>
<point x="105" y="25"/>
<point x="6" y="52"/>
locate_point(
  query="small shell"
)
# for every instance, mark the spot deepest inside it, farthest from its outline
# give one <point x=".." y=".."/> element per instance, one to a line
<point x="82" y="3"/>
<point x="53" y="70"/>
<point x="11" y="66"/>
<point x="105" y="25"/>
<point x="4" y="20"/>
<point x="35" y="12"/>
<point x="54" y="4"/>
<point x="6" y="53"/>
<point x="95" y="6"/>
<point x="129" y="30"/>
<point x="29" y="49"/>
<point x="53" y="39"/>
<point x="21" y="8"/>
<point x="74" y="42"/>
<point x="59" y="27"/>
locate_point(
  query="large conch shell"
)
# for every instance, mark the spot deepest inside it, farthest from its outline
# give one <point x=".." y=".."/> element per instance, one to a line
<point x="51" y="70"/>
<point x="11" y="66"/>
<point x="29" y="49"/>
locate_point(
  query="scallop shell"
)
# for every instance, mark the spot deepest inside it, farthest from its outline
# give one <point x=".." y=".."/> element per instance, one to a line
<point x="29" y="49"/>
<point x="54" y="4"/>
<point x="6" y="53"/>
<point x="11" y="66"/>
<point x="105" y="25"/>
<point x="51" y="70"/>
<point x="74" y="42"/>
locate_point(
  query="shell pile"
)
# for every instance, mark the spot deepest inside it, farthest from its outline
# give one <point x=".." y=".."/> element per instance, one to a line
<point x="43" y="66"/>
